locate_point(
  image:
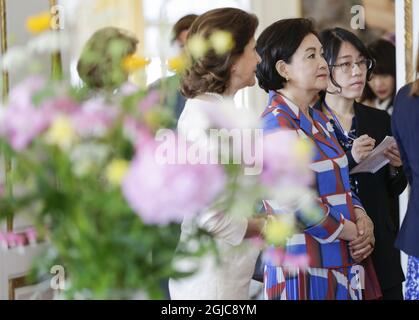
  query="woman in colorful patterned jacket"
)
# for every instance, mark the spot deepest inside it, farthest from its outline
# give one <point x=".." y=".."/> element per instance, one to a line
<point x="293" y="71"/>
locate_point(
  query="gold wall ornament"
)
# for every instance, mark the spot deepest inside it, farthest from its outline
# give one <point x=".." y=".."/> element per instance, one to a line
<point x="5" y="74"/>
<point x="5" y="93"/>
<point x="56" y="61"/>
<point x="408" y="38"/>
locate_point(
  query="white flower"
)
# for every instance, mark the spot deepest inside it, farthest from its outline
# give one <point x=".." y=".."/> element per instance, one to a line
<point x="291" y="198"/>
<point x="49" y="42"/>
<point x="15" y="58"/>
<point x="197" y="46"/>
<point x="86" y="156"/>
<point x="222" y="41"/>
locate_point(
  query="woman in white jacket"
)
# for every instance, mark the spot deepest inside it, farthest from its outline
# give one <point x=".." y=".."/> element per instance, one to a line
<point x="210" y="84"/>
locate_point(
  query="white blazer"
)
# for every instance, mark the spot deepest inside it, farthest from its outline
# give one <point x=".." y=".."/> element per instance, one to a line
<point x="230" y="277"/>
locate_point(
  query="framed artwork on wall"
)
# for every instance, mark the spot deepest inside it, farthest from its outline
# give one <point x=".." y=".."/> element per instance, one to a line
<point x="379" y="16"/>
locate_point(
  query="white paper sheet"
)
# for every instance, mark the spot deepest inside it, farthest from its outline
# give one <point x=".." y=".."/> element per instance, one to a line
<point x="376" y="159"/>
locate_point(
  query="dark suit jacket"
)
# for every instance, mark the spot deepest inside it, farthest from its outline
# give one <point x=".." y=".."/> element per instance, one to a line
<point x="405" y="124"/>
<point x="379" y="195"/>
<point x="169" y="88"/>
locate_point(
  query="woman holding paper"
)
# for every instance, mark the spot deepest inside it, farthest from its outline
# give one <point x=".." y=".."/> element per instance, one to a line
<point x="359" y="128"/>
<point x="405" y="124"/>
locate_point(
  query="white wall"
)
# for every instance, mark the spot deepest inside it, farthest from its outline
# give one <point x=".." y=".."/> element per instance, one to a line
<point x="269" y="11"/>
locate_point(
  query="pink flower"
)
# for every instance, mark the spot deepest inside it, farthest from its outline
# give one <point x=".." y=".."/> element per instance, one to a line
<point x="136" y="132"/>
<point x="94" y="117"/>
<point x="151" y="100"/>
<point x="12" y="239"/>
<point x="281" y="164"/>
<point x="275" y="256"/>
<point x="128" y="88"/>
<point x="163" y="193"/>
<point x="20" y="240"/>
<point x="31" y="234"/>
<point x="22" y="121"/>
<point x="60" y="105"/>
<point x="23" y="93"/>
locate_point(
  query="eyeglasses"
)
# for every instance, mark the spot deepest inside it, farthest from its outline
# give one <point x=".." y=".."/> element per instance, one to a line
<point x="346" y="67"/>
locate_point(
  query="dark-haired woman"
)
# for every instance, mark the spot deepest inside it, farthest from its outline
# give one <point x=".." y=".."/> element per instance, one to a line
<point x="358" y="128"/>
<point x="209" y="82"/>
<point x="380" y="89"/>
<point x="293" y="72"/>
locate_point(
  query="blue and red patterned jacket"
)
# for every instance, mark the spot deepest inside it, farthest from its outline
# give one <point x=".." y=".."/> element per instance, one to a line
<point x="330" y="166"/>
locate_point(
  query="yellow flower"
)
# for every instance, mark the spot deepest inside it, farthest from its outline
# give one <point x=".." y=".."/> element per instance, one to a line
<point x="303" y="149"/>
<point x="313" y="214"/>
<point x="222" y="41"/>
<point x="61" y="133"/>
<point x="197" y="46"/>
<point x="278" y="229"/>
<point x="39" y="23"/>
<point x="177" y="64"/>
<point x="133" y="62"/>
<point x="116" y="171"/>
<point x="153" y="119"/>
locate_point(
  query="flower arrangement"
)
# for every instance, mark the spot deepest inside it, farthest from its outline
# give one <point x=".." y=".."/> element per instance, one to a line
<point x="75" y="164"/>
<point x="86" y="169"/>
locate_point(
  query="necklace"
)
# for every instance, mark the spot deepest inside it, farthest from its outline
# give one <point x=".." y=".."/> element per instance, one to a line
<point x="218" y="96"/>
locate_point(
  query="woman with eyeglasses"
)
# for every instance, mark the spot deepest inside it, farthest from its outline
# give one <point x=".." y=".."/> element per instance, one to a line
<point x="359" y="128"/>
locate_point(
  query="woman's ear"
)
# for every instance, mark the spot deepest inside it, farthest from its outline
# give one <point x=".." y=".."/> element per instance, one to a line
<point x="233" y="68"/>
<point x="332" y="88"/>
<point x="282" y="68"/>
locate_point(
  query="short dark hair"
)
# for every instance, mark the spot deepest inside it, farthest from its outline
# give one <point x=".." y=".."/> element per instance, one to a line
<point x="182" y="24"/>
<point x="277" y="42"/>
<point x="212" y="72"/>
<point x="384" y="54"/>
<point x="332" y="40"/>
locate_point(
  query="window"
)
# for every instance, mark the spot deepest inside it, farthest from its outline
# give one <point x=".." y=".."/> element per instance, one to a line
<point x="160" y="16"/>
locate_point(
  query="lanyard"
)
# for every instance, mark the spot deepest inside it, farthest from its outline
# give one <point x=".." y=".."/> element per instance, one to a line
<point x="335" y="119"/>
<point x="348" y="134"/>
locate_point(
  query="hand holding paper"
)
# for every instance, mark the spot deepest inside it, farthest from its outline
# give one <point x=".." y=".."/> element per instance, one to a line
<point x="393" y="154"/>
<point x="362" y="147"/>
<point x="378" y="158"/>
